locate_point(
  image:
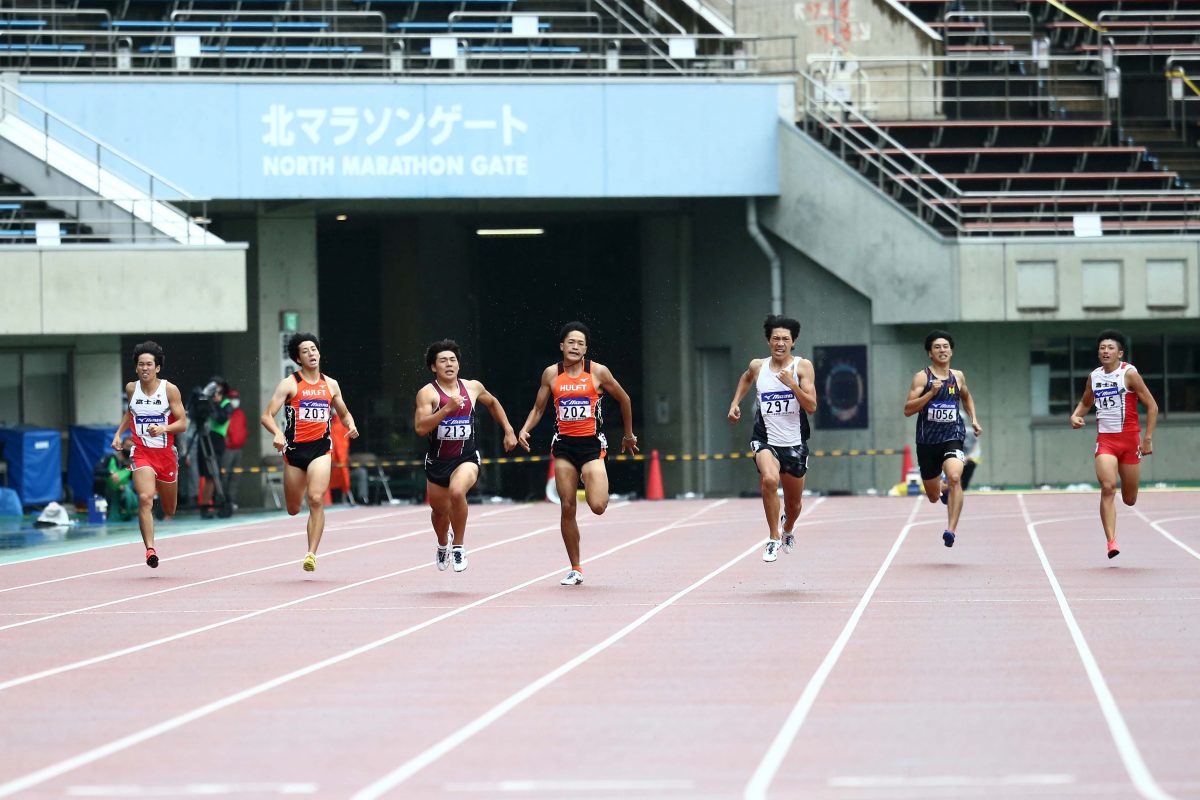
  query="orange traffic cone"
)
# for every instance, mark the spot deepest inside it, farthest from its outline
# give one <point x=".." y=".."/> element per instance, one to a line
<point x="908" y="464"/>
<point x="654" y="486"/>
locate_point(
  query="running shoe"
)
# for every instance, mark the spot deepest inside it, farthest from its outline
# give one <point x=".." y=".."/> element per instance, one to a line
<point x="948" y="538"/>
<point x="945" y="498"/>
<point x="310" y="563"/>
<point x="789" y="537"/>
<point x="152" y="558"/>
<point x="443" y="558"/>
<point x="574" y="578"/>
<point x="772" y="551"/>
<point x="459" y="554"/>
<point x="1113" y="552"/>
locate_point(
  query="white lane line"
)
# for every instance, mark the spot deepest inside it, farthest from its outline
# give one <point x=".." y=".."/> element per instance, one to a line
<point x="1139" y="773"/>
<point x="565" y="786"/>
<point x="480" y="723"/>
<point x="760" y="781"/>
<point x="1169" y="537"/>
<point x="40" y="776"/>
<point x="87" y="662"/>
<point x="193" y="584"/>
<point x="949" y="781"/>
<point x="191" y="790"/>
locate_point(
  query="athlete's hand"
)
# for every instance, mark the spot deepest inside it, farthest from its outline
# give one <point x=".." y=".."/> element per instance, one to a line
<point x="352" y="432"/>
<point x="936" y="386"/>
<point x="156" y="430"/>
<point x="523" y="439"/>
<point x="1147" y="446"/>
<point x="510" y="440"/>
<point x="280" y="442"/>
<point x="1077" y="422"/>
<point x="785" y="377"/>
<point x="735" y="413"/>
<point x="629" y="443"/>
<point x="978" y="428"/>
<point x="458" y="402"/>
<point x="115" y="444"/>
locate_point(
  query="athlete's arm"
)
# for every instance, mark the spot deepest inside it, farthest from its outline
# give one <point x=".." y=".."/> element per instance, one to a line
<point x="126" y="418"/>
<point x="425" y="422"/>
<point x="489" y="401"/>
<point x="339" y="405"/>
<point x="539" y="406"/>
<point x="606" y="383"/>
<point x="805" y="386"/>
<point x="968" y="402"/>
<point x="918" y="396"/>
<point x="745" y="381"/>
<point x="175" y="401"/>
<point x="1085" y="405"/>
<point x="1133" y="380"/>
<point x="283" y="393"/>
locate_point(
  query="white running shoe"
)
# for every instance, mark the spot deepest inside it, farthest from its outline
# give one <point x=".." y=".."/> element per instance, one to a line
<point x="772" y="551"/>
<point x="574" y="578"/>
<point x="789" y="537"/>
<point x="443" y="558"/>
<point x="459" y="556"/>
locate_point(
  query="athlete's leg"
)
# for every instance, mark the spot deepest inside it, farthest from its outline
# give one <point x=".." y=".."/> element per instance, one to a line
<point x="1106" y="474"/>
<point x="793" y="499"/>
<point x="768" y="472"/>
<point x="953" y="467"/>
<point x="461" y="480"/>
<point x="933" y="488"/>
<point x="318" y="483"/>
<point x="168" y="496"/>
<point x="595" y="485"/>
<point x="439" y="511"/>
<point x="1130" y="474"/>
<point x="566" y="480"/>
<point x="294" y="480"/>
<point x="143" y="484"/>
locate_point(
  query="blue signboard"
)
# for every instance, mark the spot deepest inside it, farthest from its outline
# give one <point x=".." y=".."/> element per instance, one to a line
<point x="265" y="140"/>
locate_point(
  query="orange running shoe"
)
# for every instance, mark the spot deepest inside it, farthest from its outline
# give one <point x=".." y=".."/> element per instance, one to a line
<point x="151" y="558"/>
<point x="1113" y="552"/>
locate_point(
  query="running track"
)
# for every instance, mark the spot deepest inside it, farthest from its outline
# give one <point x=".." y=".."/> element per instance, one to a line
<point x="871" y="663"/>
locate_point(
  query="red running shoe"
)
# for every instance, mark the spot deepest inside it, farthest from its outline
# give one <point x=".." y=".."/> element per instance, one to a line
<point x="151" y="558"/>
<point x="1113" y="552"/>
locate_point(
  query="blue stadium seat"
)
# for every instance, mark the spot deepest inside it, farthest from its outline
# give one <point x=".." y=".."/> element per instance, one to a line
<point x="50" y="48"/>
<point x="164" y="24"/>
<point x="22" y="23"/>
<point x="458" y="26"/>
<point x="261" y="48"/>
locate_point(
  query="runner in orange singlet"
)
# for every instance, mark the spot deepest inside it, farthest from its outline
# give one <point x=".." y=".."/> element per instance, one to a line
<point x="576" y="385"/>
<point x="309" y="399"/>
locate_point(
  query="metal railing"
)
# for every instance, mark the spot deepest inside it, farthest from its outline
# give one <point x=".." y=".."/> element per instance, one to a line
<point x="91" y="220"/>
<point x="903" y="175"/>
<point x="1122" y="27"/>
<point x="1188" y="96"/>
<point x="1011" y="29"/>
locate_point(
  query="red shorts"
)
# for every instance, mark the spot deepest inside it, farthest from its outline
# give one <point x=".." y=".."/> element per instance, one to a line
<point x="1127" y="446"/>
<point x="160" y="459"/>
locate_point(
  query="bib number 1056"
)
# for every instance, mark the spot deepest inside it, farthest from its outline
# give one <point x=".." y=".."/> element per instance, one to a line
<point x="942" y="412"/>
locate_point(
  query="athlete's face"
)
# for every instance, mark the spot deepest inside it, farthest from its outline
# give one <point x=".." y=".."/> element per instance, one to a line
<point x="146" y="368"/>
<point x="445" y="366"/>
<point x="940" y="352"/>
<point x="310" y="356"/>
<point x="574" y="347"/>
<point x="781" y="343"/>
<point x="1110" y="354"/>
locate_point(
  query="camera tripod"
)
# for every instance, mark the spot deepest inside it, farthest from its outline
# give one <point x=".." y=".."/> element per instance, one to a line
<point x="221" y="501"/>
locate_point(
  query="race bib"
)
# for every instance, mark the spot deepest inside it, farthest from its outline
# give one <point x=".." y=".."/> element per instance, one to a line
<point x="942" y="411"/>
<point x="455" y="429"/>
<point x="314" y="410"/>
<point x="144" y="421"/>
<point x="1107" y="398"/>
<point x="574" y="408"/>
<point x="776" y="403"/>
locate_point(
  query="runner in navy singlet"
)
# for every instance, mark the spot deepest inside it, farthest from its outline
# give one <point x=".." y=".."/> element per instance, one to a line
<point x="446" y="415"/>
<point x="939" y="396"/>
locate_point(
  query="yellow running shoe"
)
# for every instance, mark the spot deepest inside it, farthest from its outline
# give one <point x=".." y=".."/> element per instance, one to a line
<point x="310" y="563"/>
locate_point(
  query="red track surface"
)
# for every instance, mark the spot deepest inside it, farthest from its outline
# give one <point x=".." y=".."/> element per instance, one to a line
<point x="871" y="663"/>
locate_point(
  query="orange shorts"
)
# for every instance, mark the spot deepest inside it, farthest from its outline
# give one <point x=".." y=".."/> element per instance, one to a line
<point x="160" y="459"/>
<point x="1127" y="446"/>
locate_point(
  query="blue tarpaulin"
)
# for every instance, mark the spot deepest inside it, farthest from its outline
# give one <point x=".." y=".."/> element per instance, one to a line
<point x="34" y="457"/>
<point x="86" y="444"/>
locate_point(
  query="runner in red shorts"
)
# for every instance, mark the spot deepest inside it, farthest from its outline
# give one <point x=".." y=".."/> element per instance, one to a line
<point x="154" y="415"/>
<point x="1115" y="387"/>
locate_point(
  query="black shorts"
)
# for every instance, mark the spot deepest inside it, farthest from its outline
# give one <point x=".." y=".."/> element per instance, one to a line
<point x="579" y="450"/>
<point x="439" y="470"/>
<point x="301" y="454"/>
<point x="930" y="457"/>
<point x="792" y="460"/>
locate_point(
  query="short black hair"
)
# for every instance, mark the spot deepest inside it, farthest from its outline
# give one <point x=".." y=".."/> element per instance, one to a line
<point x="151" y="347"/>
<point x="299" y="339"/>
<point x="936" y="334"/>
<point x="441" y="346"/>
<point x="1115" y="335"/>
<point x="774" y="321"/>
<point x="575" y="326"/>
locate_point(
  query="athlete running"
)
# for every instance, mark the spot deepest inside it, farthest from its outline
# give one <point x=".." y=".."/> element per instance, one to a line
<point x="1115" y="388"/>
<point x="785" y="394"/>
<point x="576" y="385"/>
<point x="446" y="414"/>
<point x="309" y="399"/>
<point x="939" y="396"/>
<point x="153" y="416"/>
